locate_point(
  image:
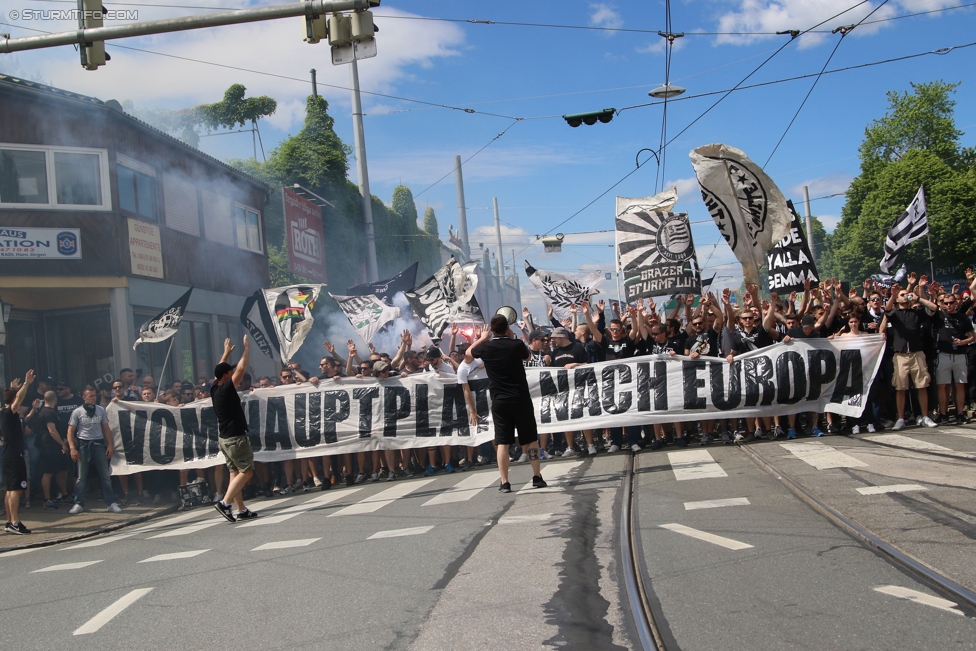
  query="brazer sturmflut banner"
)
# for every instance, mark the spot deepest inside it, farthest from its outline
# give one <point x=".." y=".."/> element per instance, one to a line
<point x="351" y="415"/>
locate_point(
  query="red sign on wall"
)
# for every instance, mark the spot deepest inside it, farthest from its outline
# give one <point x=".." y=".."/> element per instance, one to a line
<point x="306" y="242"/>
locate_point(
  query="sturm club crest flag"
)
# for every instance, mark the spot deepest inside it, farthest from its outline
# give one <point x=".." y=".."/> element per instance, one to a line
<point x="910" y="225"/>
<point x="563" y="292"/>
<point x="447" y="297"/>
<point x="748" y="208"/>
<point x="655" y="250"/>
<point x="790" y="262"/>
<point x="258" y="323"/>
<point x="165" y="324"/>
<point x="367" y="314"/>
<point x="386" y="289"/>
<point x="291" y="314"/>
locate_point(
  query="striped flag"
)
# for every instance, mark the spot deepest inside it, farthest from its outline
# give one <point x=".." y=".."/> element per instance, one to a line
<point x="910" y="225"/>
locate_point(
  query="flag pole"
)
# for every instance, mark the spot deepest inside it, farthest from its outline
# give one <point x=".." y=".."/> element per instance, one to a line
<point x="165" y="360"/>
<point x="931" y="258"/>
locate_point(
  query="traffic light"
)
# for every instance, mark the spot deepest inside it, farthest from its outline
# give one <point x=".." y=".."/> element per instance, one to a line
<point x="316" y="27"/>
<point x="590" y="118"/>
<point x="340" y="30"/>
<point x="92" y="54"/>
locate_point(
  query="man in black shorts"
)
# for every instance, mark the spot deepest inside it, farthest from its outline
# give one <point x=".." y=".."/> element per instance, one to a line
<point x="232" y="431"/>
<point x="511" y="404"/>
<point x="14" y="465"/>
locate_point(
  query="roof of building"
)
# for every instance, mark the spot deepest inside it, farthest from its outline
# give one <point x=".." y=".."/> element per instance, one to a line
<point x="51" y="91"/>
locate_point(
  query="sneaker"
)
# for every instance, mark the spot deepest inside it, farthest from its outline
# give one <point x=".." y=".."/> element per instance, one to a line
<point x="505" y="488"/>
<point x="360" y="478"/>
<point x="448" y="468"/>
<point x="198" y="480"/>
<point x="705" y="440"/>
<point x="50" y="504"/>
<point x="287" y="490"/>
<point x="538" y="482"/>
<point x="833" y="429"/>
<point x="738" y="437"/>
<point x="961" y="419"/>
<point x="791" y="434"/>
<point x="307" y="487"/>
<point x="613" y="448"/>
<point x="18" y="528"/>
<point x="430" y="470"/>
<point x="777" y="432"/>
<point x="570" y="452"/>
<point x="390" y="476"/>
<point x="816" y="432"/>
<point x="856" y="429"/>
<point x="350" y="480"/>
<point x="318" y="482"/>
<point x="872" y="428"/>
<point x="327" y="484"/>
<point x="225" y="510"/>
<point x="76" y="509"/>
<point x="681" y="441"/>
<point x="591" y="450"/>
<point x="758" y="435"/>
<point x="246" y="514"/>
<point x="542" y="455"/>
<point x="113" y="508"/>
<point x="374" y="477"/>
<point x="27" y="504"/>
<point x="635" y="448"/>
<point x="146" y="497"/>
<point x="524" y="458"/>
<point x="899" y="424"/>
<point x="888" y="424"/>
<point x="657" y="444"/>
<point x="928" y="422"/>
<point x="156" y="499"/>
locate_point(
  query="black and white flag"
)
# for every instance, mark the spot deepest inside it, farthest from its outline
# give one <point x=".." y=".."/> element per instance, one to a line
<point x="748" y="208"/>
<point x="367" y="314"/>
<point x="563" y="292"/>
<point x="257" y="321"/>
<point x="386" y="289"/>
<point x="655" y="250"/>
<point x="165" y="324"/>
<point x="790" y="262"/>
<point x="291" y="314"/>
<point x="447" y="297"/>
<point x="910" y="225"/>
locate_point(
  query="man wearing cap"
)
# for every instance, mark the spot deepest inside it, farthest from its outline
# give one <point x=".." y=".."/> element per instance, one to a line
<point x="435" y="362"/>
<point x="511" y="403"/>
<point x="232" y="430"/>
<point x="569" y="354"/>
<point x="539" y="349"/>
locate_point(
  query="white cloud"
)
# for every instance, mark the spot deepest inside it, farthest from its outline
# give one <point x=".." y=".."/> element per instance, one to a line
<point x="272" y="46"/>
<point x="687" y="188"/>
<point x="657" y="47"/>
<point x="605" y="15"/>
<point x="830" y="184"/>
<point x="829" y="222"/>
<point x="511" y="236"/>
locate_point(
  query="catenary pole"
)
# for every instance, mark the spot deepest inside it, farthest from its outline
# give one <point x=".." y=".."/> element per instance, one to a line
<point x="462" y="211"/>
<point x="806" y="203"/>
<point x="501" y="254"/>
<point x="359" y="138"/>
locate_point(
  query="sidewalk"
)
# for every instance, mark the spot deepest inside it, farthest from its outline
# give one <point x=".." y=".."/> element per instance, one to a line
<point x="52" y="526"/>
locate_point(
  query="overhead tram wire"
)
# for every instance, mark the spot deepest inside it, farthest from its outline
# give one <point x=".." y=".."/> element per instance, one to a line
<point x="844" y="31"/>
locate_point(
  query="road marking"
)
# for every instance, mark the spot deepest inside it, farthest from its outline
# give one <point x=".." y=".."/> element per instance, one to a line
<point x="98" y="542"/>
<point x="556" y="475"/>
<point x="174" y="556"/>
<point x="721" y="541"/>
<point x="822" y="457"/>
<point x="397" y="533"/>
<point x="920" y="598"/>
<point x="518" y="519"/>
<point x="899" y="441"/>
<point x="465" y="489"/>
<point x="958" y="432"/>
<point x="171" y="521"/>
<point x="66" y="566"/>
<point x="717" y="504"/>
<point x="285" y="544"/>
<point x="298" y="509"/>
<point x="190" y="528"/>
<point x="18" y="552"/>
<point x="104" y="617"/>
<point x="894" y="488"/>
<point x="381" y="499"/>
<point x="694" y="464"/>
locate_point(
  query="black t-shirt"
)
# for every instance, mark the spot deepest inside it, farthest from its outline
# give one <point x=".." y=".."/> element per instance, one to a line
<point x="949" y="327"/>
<point x="705" y="344"/>
<point x="678" y="342"/>
<point x="66" y="407"/>
<point x="797" y="333"/>
<point x="742" y="342"/>
<point x="11" y="433"/>
<point x="503" y="359"/>
<point x="906" y="327"/>
<point x="39" y="424"/>
<point x="230" y="413"/>
<point x="574" y="353"/>
<point x="620" y="349"/>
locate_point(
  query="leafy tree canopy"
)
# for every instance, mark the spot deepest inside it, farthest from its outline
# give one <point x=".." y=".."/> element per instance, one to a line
<point x="234" y="110"/>
<point x="430" y="222"/>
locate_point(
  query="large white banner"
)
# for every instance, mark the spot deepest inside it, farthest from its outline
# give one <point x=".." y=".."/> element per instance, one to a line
<point x="424" y="410"/>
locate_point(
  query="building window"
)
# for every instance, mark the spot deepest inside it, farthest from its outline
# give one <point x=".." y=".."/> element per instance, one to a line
<point x="137" y="193"/>
<point x="247" y="227"/>
<point x="54" y="177"/>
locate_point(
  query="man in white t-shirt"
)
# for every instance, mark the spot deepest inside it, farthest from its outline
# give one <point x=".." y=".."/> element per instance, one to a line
<point x="90" y="441"/>
<point x="471" y="369"/>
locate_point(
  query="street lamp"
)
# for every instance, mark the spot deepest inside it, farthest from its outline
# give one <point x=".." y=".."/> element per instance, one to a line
<point x="667" y="91"/>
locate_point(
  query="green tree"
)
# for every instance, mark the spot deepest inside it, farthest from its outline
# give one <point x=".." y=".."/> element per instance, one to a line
<point x="430" y="222"/>
<point x="916" y="143"/>
<point x="403" y="203"/>
<point x="234" y="110"/>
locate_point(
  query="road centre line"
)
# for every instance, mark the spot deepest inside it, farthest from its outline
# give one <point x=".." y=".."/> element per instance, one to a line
<point x="822" y="457"/>
<point x="98" y="542"/>
<point x="894" y="488"/>
<point x="899" y="441"/>
<point x="716" y="504"/>
<point x="398" y="533"/>
<point x="556" y="475"/>
<point x="18" y="552"/>
<point x="174" y="556"/>
<point x="298" y="509"/>
<point x="105" y="616"/>
<point x="721" y="541"/>
<point x="920" y="598"/>
<point x="464" y="490"/>
<point x="694" y="464"/>
<point x="66" y="566"/>
<point x="381" y="499"/>
<point x="285" y="544"/>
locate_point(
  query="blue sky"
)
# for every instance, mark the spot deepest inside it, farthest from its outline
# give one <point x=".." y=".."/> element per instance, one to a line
<point x="541" y="170"/>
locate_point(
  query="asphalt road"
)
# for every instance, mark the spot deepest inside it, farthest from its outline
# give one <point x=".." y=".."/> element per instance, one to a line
<point x="449" y="563"/>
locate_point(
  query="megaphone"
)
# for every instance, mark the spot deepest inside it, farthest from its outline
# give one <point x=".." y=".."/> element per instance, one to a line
<point x="509" y="313"/>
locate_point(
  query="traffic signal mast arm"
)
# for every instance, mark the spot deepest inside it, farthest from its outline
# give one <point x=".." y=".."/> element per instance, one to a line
<point x="576" y="119"/>
<point x="85" y="37"/>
